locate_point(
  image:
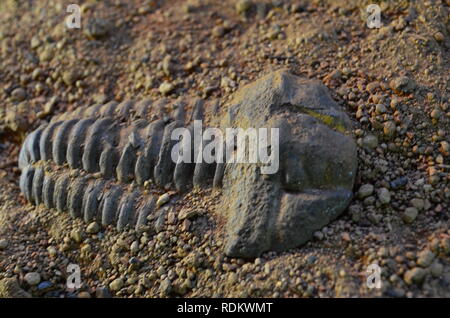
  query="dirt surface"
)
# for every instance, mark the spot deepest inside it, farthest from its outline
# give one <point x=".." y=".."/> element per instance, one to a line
<point x="392" y="81"/>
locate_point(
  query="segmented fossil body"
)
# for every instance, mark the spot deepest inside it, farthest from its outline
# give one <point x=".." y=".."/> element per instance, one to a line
<point x="88" y="161"/>
<point x="84" y="161"/>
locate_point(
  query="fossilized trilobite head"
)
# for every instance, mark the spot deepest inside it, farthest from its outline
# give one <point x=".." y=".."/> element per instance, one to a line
<point x="317" y="166"/>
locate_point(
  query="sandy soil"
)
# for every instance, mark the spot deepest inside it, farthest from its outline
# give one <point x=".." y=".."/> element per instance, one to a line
<point x="392" y="81"/>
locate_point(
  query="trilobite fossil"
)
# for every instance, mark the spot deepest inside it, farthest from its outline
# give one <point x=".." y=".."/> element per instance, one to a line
<point x="84" y="161"/>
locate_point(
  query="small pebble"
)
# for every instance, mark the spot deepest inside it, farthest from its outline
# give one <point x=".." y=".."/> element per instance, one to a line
<point x="116" y="284"/>
<point x="242" y="6"/>
<point x="84" y="294"/>
<point x="102" y="292"/>
<point x="166" y="287"/>
<point x="218" y="31"/>
<point x="436" y="269"/>
<point x="44" y="286"/>
<point x="419" y="204"/>
<point x="52" y="251"/>
<point x="370" y="141"/>
<point x="439" y="36"/>
<point x="134" y="248"/>
<point x="166" y="88"/>
<point x="384" y="196"/>
<point x="18" y="94"/>
<point x="365" y="191"/>
<point x="399" y="182"/>
<point x="415" y="276"/>
<point x="402" y="84"/>
<point x="425" y="258"/>
<point x="389" y="128"/>
<point x="410" y="215"/>
<point x="3" y="244"/>
<point x="163" y="199"/>
<point x="32" y="278"/>
<point x="93" y="228"/>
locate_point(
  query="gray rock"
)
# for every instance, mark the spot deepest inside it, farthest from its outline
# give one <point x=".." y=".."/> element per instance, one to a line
<point x="419" y="204"/>
<point x="70" y="77"/>
<point x="3" y="244"/>
<point x="445" y="243"/>
<point x="384" y="196"/>
<point x="163" y="199"/>
<point x="370" y="141"/>
<point x="166" y="88"/>
<point x="380" y="108"/>
<point x="218" y="31"/>
<point x="402" y="84"/>
<point x="15" y="121"/>
<point x="167" y="65"/>
<point x="47" y="54"/>
<point x="425" y="258"/>
<point x="298" y="7"/>
<point x="436" y="269"/>
<point x="93" y="228"/>
<point x="317" y="166"/>
<point x="52" y="251"/>
<point x="318" y="235"/>
<point x="97" y="28"/>
<point x="410" y="215"/>
<point x="134" y="248"/>
<point x="18" y="94"/>
<point x="35" y="42"/>
<point x="84" y="294"/>
<point x="415" y="276"/>
<point x="232" y="279"/>
<point x="102" y="292"/>
<point x="116" y="284"/>
<point x="365" y="190"/>
<point x="32" y="278"/>
<point x="188" y="214"/>
<point x="242" y="6"/>
<point x="166" y="287"/>
<point x="49" y="106"/>
<point x="76" y="235"/>
<point x="100" y="98"/>
<point x="389" y="128"/>
<point x="399" y="182"/>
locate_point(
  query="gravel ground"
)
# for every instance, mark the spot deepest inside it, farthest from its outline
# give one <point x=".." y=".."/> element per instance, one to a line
<point x="393" y="82"/>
